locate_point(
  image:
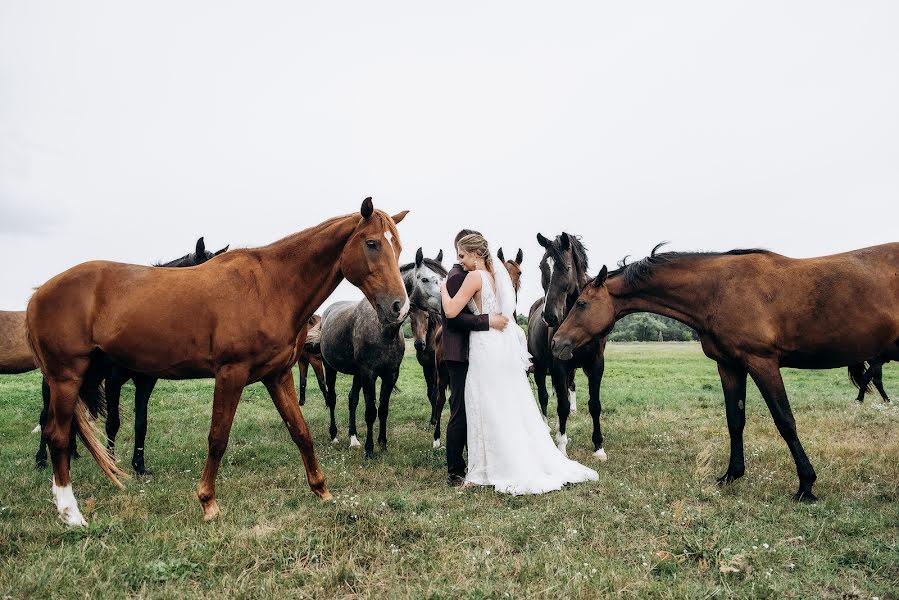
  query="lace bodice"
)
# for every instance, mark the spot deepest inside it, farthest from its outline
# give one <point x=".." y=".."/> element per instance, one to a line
<point x="488" y="297"/>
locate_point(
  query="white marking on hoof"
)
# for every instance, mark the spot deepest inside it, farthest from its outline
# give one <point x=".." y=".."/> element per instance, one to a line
<point x="67" y="506"/>
<point x="336" y="440"/>
<point x="436" y="443"/>
<point x="37" y="428"/>
<point x="354" y="442"/>
<point x="600" y="455"/>
<point x="572" y="401"/>
<point x="562" y="442"/>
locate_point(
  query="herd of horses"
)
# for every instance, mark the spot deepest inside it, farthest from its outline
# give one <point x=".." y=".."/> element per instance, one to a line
<point x="247" y="315"/>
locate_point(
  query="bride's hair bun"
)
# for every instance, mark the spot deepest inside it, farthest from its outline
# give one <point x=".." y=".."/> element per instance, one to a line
<point x="475" y="243"/>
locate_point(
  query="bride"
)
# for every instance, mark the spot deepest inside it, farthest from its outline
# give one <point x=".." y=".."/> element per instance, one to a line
<point x="509" y="445"/>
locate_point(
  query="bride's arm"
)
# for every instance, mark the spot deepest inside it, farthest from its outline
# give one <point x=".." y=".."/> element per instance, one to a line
<point x="453" y="305"/>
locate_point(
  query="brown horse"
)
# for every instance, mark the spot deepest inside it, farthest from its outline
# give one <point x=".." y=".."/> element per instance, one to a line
<point x="235" y="318"/>
<point x="15" y="355"/>
<point x="755" y="312"/>
<point x="310" y="354"/>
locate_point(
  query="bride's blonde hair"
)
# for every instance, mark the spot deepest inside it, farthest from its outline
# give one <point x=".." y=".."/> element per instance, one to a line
<point x="474" y="243"/>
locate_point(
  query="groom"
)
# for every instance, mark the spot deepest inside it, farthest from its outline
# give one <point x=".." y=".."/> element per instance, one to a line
<point x="455" y="357"/>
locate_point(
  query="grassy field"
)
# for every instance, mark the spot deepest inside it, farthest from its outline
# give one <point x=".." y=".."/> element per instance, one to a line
<point x="653" y="526"/>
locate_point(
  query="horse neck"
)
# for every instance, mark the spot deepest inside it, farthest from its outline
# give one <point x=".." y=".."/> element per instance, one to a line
<point x="679" y="291"/>
<point x="308" y="261"/>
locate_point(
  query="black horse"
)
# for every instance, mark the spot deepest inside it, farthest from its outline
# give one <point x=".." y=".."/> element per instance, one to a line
<point x="354" y="341"/>
<point x="115" y="376"/>
<point x="863" y="378"/>
<point x="563" y="275"/>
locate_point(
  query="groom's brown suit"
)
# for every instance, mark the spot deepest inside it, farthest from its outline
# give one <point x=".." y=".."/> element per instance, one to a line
<point x="455" y="357"/>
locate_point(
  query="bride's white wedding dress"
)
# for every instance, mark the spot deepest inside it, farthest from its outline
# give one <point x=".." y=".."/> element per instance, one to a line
<point x="509" y="445"/>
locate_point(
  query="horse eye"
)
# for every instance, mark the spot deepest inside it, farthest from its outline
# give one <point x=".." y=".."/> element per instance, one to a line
<point x="581" y="304"/>
<point x="371" y="244"/>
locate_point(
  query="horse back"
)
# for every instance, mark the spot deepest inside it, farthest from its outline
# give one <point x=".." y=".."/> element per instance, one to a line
<point x="15" y="355"/>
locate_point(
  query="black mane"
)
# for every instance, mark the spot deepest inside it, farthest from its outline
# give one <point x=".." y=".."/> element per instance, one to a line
<point x="578" y="252"/>
<point x="639" y="271"/>
<point x="188" y="260"/>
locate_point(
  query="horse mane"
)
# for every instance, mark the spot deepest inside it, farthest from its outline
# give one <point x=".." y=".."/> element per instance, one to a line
<point x="637" y="272"/>
<point x="578" y="253"/>
<point x="174" y="263"/>
<point x="429" y="262"/>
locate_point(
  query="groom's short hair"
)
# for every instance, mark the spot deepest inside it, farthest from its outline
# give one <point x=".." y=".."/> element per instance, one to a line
<point x="463" y="233"/>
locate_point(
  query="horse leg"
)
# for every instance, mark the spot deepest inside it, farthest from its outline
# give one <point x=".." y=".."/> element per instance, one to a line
<point x="877" y="371"/>
<point x="354" y="402"/>
<point x="387" y="383"/>
<point x="60" y="418"/>
<point x="865" y="380"/>
<point x="540" y="381"/>
<point x="559" y="376"/>
<point x="143" y="388"/>
<point x="284" y="395"/>
<point x="769" y="381"/>
<point x="229" y="382"/>
<point x="303" y="367"/>
<point x="331" y="399"/>
<point x="113" y="418"/>
<point x="572" y="393"/>
<point x="439" y="403"/>
<point x="371" y="412"/>
<point x="319" y="375"/>
<point x="430" y="381"/>
<point x="40" y="459"/>
<point x="594" y="379"/>
<point x="733" y="382"/>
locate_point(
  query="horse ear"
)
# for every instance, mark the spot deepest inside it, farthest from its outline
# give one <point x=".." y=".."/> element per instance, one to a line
<point x="519" y="257"/>
<point x="367" y="208"/>
<point x="499" y="255"/>
<point x="601" y="278"/>
<point x="223" y="250"/>
<point x="542" y="240"/>
<point x="399" y="216"/>
<point x="201" y="248"/>
<point x="565" y="241"/>
<point x="419" y="257"/>
<point x="439" y="256"/>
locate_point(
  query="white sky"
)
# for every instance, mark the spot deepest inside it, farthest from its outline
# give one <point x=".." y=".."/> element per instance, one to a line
<point x="127" y="130"/>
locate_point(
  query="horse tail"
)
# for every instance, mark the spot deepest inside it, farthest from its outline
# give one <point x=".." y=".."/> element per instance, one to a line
<point x="89" y="437"/>
<point x="856" y="376"/>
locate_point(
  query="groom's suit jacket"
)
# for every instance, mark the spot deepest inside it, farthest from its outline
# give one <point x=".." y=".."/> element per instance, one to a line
<point x="456" y="330"/>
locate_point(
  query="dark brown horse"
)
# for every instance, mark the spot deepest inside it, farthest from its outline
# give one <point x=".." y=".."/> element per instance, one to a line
<point x="513" y="267"/>
<point x="755" y="312"/>
<point x="864" y="377"/>
<point x="563" y="270"/>
<point x="310" y="354"/>
<point x="235" y="318"/>
<point x="115" y="376"/>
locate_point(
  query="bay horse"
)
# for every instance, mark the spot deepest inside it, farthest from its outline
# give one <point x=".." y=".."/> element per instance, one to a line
<point x="115" y="376"/>
<point x="563" y="271"/>
<point x="863" y="377"/>
<point x="310" y="354"/>
<point x="513" y="267"/>
<point x="354" y="342"/>
<point x="755" y="312"/>
<point x="235" y="318"/>
<point x="15" y="355"/>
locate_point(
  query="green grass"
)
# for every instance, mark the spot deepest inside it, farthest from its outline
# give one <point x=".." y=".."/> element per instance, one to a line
<point x="653" y="526"/>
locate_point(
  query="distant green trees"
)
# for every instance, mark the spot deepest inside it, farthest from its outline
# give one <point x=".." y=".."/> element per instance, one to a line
<point x="646" y="327"/>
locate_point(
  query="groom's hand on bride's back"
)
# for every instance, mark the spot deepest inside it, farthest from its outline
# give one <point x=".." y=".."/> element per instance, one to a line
<point x="499" y="322"/>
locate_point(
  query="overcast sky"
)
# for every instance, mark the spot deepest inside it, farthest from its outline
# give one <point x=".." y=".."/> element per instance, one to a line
<point x="127" y="130"/>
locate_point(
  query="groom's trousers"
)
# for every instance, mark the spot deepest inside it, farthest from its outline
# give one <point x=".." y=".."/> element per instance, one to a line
<point x="456" y="428"/>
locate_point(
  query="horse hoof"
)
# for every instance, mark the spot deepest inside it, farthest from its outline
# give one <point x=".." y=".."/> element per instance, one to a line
<point x="600" y="455"/>
<point x="369" y="455"/>
<point x="436" y="444"/>
<point x="354" y="442"/>
<point x="805" y="497"/>
<point x="729" y="478"/>
<point x="562" y="443"/>
<point x="40" y="463"/>
<point x="335" y="440"/>
<point x="210" y="510"/>
<point x="326" y="496"/>
<point x="37" y="428"/>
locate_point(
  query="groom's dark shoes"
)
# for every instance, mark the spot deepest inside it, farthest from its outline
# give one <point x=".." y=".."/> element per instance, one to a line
<point x="454" y="480"/>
